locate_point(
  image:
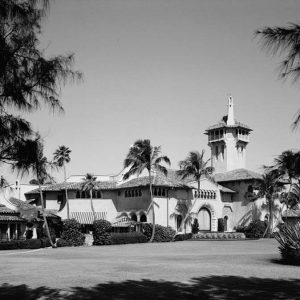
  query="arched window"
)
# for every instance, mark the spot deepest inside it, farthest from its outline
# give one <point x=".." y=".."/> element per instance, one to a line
<point x="78" y="194"/>
<point x="195" y="194"/>
<point x="136" y="193"/>
<point x="143" y="218"/>
<point x="126" y="194"/>
<point x="140" y="193"/>
<point x="226" y="223"/>
<point x="155" y="192"/>
<point x="134" y="217"/>
<point x="83" y="194"/>
<point x="163" y="193"/>
<point x="202" y="194"/>
<point x="159" y="192"/>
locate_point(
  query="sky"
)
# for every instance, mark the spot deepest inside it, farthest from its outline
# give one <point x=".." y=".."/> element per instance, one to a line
<point x="162" y="70"/>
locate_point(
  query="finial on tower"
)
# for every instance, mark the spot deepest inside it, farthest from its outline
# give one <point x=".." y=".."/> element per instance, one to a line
<point x="230" y="115"/>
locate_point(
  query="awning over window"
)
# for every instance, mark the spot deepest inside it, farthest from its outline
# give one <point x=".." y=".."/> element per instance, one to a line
<point x="87" y="217"/>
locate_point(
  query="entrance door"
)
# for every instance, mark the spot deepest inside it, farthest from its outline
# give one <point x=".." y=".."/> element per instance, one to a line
<point x="204" y="219"/>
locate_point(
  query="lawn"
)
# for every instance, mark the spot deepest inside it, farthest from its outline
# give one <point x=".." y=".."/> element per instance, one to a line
<point x="181" y="270"/>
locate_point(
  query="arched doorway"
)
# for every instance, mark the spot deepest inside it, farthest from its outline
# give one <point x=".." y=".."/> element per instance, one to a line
<point x="204" y="220"/>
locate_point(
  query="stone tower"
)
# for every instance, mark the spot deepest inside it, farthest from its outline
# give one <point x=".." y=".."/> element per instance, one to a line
<point x="228" y="141"/>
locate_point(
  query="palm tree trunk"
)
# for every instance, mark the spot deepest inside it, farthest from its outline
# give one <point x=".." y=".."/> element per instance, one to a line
<point x="153" y="212"/>
<point x="190" y="209"/>
<point x="92" y="205"/>
<point x="67" y="199"/>
<point x="44" y="216"/>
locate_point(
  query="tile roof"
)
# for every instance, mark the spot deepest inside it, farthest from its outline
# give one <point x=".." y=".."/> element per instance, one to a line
<point x="103" y="185"/>
<point x="11" y="218"/>
<point x="236" y="175"/>
<point x="21" y="204"/>
<point x="6" y="210"/>
<point x="222" y="124"/>
<point x="291" y="213"/>
<point x="171" y="180"/>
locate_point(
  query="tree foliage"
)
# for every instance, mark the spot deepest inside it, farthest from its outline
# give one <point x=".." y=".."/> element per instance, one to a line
<point x="286" y="42"/>
<point x="28" y="79"/>
<point x="143" y="156"/>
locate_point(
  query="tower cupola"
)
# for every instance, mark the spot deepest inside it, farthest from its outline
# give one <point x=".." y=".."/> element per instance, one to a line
<point x="228" y="140"/>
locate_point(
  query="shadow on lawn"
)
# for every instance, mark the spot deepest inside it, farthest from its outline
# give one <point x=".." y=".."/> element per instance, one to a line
<point x="213" y="287"/>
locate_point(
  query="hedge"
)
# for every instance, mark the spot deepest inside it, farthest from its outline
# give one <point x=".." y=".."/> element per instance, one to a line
<point x="62" y="243"/>
<point x="255" y="229"/>
<point x="25" y="244"/>
<point x="128" y="238"/>
<point x="162" y="233"/>
<point x="71" y="233"/>
<point x="102" y="232"/>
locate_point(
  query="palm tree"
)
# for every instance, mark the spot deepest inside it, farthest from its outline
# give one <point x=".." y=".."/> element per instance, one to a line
<point x="288" y="163"/>
<point x="143" y="156"/>
<point x="269" y="187"/>
<point x="31" y="159"/>
<point x="182" y="209"/>
<point x="89" y="185"/>
<point x="195" y="167"/>
<point x="284" y="40"/>
<point x="61" y="158"/>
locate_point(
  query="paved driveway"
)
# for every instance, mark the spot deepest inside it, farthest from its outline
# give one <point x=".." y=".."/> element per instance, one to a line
<point x="191" y="268"/>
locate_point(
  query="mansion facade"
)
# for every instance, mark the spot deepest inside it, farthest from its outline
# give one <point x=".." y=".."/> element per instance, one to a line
<point x="228" y="195"/>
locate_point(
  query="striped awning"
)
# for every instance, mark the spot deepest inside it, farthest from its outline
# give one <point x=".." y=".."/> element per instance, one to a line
<point x="123" y="222"/>
<point x="87" y="217"/>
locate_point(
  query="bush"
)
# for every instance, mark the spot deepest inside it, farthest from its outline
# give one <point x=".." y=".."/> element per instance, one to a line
<point x="71" y="233"/>
<point x="162" y="233"/>
<point x="221" y="225"/>
<point x="102" y="232"/>
<point x="9" y="245"/>
<point x="62" y="243"/>
<point x="183" y="237"/>
<point x="195" y="226"/>
<point x="128" y="238"/>
<point x="30" y="244"/>
<point x="255" y="229"/>
<point x="288" y="236"/>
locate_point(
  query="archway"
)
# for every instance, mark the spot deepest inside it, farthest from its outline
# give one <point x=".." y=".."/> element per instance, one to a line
<point x="143" y="218"/>
<point x="204" y="219"/>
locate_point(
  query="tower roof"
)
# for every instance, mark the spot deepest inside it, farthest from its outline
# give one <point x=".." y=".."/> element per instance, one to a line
<point x="228" y="121"/>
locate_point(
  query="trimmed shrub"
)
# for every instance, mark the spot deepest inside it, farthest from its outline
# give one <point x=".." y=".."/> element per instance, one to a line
<point x="183" y="237"/>
<point x="128" y="238"/>
<point x="9" y="245"/>
<point x="62" y="243"/>
<point x="30" y="244"/>
<point x="162" y="233"/>
<point x="102" y="232"/>
<point x="288" y="236"/>
<point x="255" y="229"/>
<point x="221" y="225"/>
<point x="71" y="233"/>
<point x="195" y="226"/>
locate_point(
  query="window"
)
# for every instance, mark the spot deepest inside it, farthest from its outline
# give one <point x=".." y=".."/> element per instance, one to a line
<point x="126" y="194"/>
<point x="143" y="218"/>
<point x="99" y="194"/>
<point x="140" y="195"/>
<point x="136" y="193"/>
<point x="94" y="194"/>
<point x="155" y="192"/>
<point x="78" y="194"/>
<point x="159" y="192"/>
<point x="83" y="194"/>
<point x="163" y="193"/>
<point x="134" y="217"/>
<point x="119" y="193"/>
